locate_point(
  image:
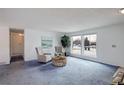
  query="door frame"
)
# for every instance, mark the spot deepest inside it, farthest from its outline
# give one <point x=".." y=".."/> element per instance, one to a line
<point x="16" y="30"/>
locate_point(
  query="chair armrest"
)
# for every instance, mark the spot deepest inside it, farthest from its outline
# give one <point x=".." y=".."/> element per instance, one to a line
<point x="118" y="79"/>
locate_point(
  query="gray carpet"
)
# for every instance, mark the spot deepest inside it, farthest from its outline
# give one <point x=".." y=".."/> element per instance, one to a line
<point x="76" y="72"/>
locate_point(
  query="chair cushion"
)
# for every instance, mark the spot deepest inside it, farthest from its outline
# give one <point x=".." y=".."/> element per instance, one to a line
<point x="48" y="57"/>
<point x="40" y="51"/>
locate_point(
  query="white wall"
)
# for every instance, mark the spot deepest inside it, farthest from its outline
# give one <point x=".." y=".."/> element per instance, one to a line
<point x="106" y="37"/>
<point x="33" y="39"/>
<point x="4" y="45"/>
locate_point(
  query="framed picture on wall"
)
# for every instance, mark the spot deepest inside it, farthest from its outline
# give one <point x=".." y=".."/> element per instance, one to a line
<point x="46" y="42"/>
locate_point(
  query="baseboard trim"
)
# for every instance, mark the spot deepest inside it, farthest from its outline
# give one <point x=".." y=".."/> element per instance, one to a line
<point x="4" y="63"/>
<point x="94" y="61"/>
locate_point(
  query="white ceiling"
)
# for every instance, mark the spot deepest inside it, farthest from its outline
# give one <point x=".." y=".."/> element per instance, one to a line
<point x="61" y="20"/>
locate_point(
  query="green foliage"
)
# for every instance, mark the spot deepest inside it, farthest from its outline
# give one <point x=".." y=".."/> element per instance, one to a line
<point x="65" y="40"/>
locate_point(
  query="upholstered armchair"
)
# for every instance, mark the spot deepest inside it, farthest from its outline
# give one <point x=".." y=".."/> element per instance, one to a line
<point x="59" y="51"/>
<point x="43" y="57"/>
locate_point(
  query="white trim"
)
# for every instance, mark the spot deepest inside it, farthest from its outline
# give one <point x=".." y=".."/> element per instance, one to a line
<point x="4" y="63"/>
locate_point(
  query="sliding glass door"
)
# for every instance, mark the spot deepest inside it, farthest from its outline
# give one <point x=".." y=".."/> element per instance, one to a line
<point x="84" y="45"/>
<point x="89" y="45"/>
<point x="76" y="45"/>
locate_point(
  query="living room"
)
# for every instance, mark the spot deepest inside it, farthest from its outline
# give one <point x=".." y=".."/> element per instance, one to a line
<point x="94" y="46"/>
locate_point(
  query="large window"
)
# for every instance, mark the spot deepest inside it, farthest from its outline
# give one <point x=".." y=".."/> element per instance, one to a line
<point x="76" y="45"/>
<point x="85" y="45"/>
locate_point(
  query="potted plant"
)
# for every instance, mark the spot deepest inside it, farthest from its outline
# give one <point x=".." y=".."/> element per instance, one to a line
<point x="65" y="41"/>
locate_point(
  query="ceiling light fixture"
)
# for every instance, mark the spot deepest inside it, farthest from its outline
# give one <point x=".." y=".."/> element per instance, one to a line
<point x="122" y="10"/>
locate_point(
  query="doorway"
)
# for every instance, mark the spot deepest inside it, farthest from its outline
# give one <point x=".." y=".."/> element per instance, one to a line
<point x="16" y="45"/>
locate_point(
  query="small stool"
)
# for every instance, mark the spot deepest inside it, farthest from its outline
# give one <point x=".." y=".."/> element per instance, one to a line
<point x="59" y="61"/>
